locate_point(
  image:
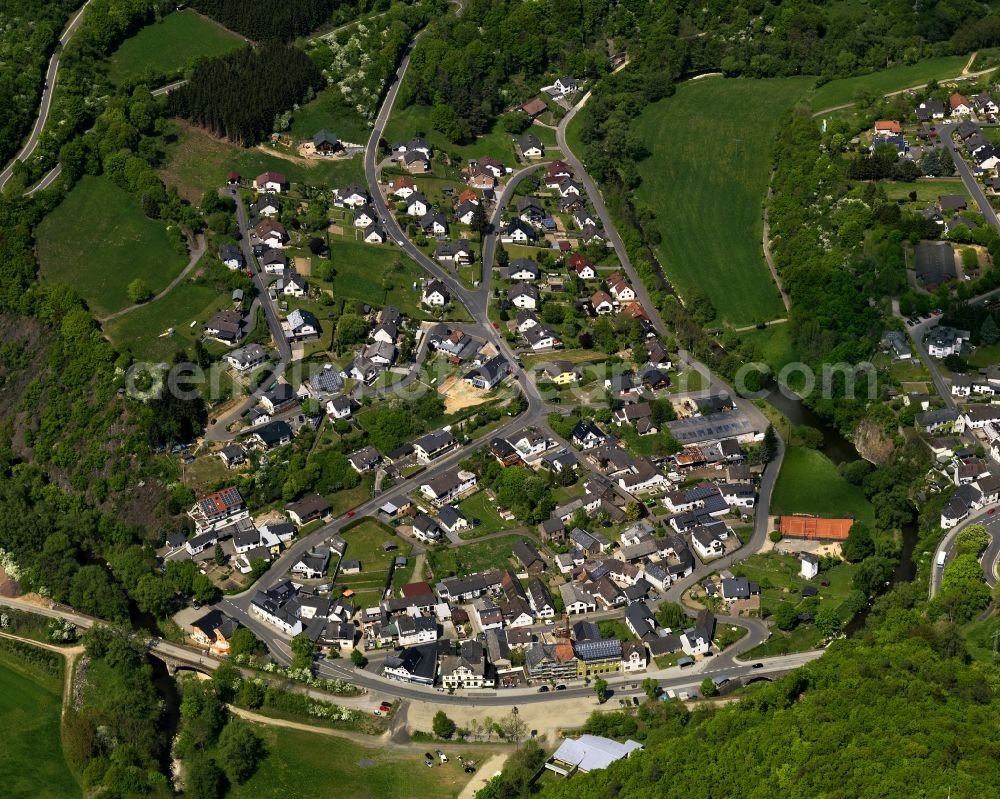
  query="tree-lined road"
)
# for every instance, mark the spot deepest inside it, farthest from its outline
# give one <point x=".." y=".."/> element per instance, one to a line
<point x="46" y="102"/>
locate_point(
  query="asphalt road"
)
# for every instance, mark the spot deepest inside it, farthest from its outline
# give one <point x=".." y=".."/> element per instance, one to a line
<point x="46" y="102"/>
<point x="991" y="522"/>
<point x="972" y="185"/>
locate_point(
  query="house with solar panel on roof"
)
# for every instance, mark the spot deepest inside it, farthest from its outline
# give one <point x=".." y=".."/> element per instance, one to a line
<point x="217" y="509"/>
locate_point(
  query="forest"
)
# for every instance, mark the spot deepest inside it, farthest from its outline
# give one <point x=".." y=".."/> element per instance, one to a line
<point x="266" y="20"/>
<point x="239" y="95"/>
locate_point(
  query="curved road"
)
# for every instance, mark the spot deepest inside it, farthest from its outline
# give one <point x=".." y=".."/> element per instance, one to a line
<point x="988" y="559"/>
<point x="46" y="103"/>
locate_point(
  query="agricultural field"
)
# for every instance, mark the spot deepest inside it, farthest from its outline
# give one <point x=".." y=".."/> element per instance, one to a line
<point x="810" y="483"/>
<point x="364" y="542"/>
<point x="309" y="764"/>
<point x="706" y="178"/>
<point x="843" y="91"/>
<point x="98" y="240"/>
<point x="144" y="330"/>
<point x="197" y="162"/>
<point x="494" y="553"/>
<point x="32" y="765"/>
<point x="168" y="47"/>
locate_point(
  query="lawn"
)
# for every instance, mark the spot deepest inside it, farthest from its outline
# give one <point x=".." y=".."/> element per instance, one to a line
<point x="329" y="111"/>
<point x="364" y="543"/>
<point x="979" y="638"/>
<point x="985" y="355"/>
<point x="344" y="500"/>
<point x="927" y="189"/>
<point x="321" y="767"/>
<point x="467" y="559"/>
<point x="364" y="270"/>
<point x="708" y="199"/>
<point x="32" y="764"/>
<point x="842" y="91"/>
<point x="197" y="162"/>
<point x="141" y="331"/>
<point x="810" y="483"/>
<point x="780" y="583"/>
<point x="97" y="240"/>
<point x="169" y="46"/>
<point x="478" y="506"/>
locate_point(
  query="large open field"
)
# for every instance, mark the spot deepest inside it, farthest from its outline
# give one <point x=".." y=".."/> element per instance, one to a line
<point x="810" y="483"/>
<point x="170" y="45"/>
<point x="197" y="162"/>
<point x="842" y="91"/>
<point x="706" y="178"/>
<point x="98" y="240"/>
<point x="322" y="767"/>
<point x="32" y="765"/>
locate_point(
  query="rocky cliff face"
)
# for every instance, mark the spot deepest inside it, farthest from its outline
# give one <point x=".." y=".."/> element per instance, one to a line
<point x="872" y="442"/>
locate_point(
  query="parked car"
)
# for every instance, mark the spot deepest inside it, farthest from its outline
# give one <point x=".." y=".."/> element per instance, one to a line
<point x="757" y="666"/>
<point x="544" y="689"/>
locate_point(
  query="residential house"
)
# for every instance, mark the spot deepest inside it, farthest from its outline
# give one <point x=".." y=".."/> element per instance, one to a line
<point x="576" y="600"/>
<point x="541" y="338"/>
<point x="273" y="262"/>
<point x="583" y="266"/>
<point x="217" y="508"/>
<point x="435" y="294"/>
<point x="523" y="295"/>
<point x="561" y="372"/>
<point x="697" y="640"/>
<point x="434" y="223"/>
<point x="325" y="143"/>
<point x="417" y="205"/>
<point x="517" y="231"/>
<point x="308" y="509"/>
<point x="528" y="557"/>
<point x="272" y="233"/>
<point x="457" y="252"/>
<point x="231" y="256"/>
<point x="530" y="145"/>
<point x="601" y="302"/>
<point x="247" y="357"/>
<point x="225" y="326"/>
<point x="312" y="564"/>
<point x="451" y="520"/>
<point x="425" y="528"/>
<point x="491" y="373"/>
<point x="433" y="445"/>
<point x="214" y="630"/>
<point x="620" y="288"/>
<point x="587" y="435"/>
<point x="302" y="324"/>
<point x="364" y="460"/>
<point x="271" y="435"/>
<point x="417" y="664"/>
<point x="271" y="181"/>
<point x="523" y="269"/>
<point x="565" y="85"/>
<point x="449" y="485"/>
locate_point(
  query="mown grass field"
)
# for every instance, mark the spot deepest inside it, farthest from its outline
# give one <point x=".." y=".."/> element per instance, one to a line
<point x="810" y="483"/>
<point x="773" y="345"/>
<point x="321" y="767"/>
<point x="32" y="765"/>
<point x="197" y="162"/>
<point x="98" y="240"/>
<point x="927" y="189"/>
<point x="842" y="91"/>
<point x="141" y="331"/>
<point x="170" y="45"/>
<point x="706" y="178"/>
